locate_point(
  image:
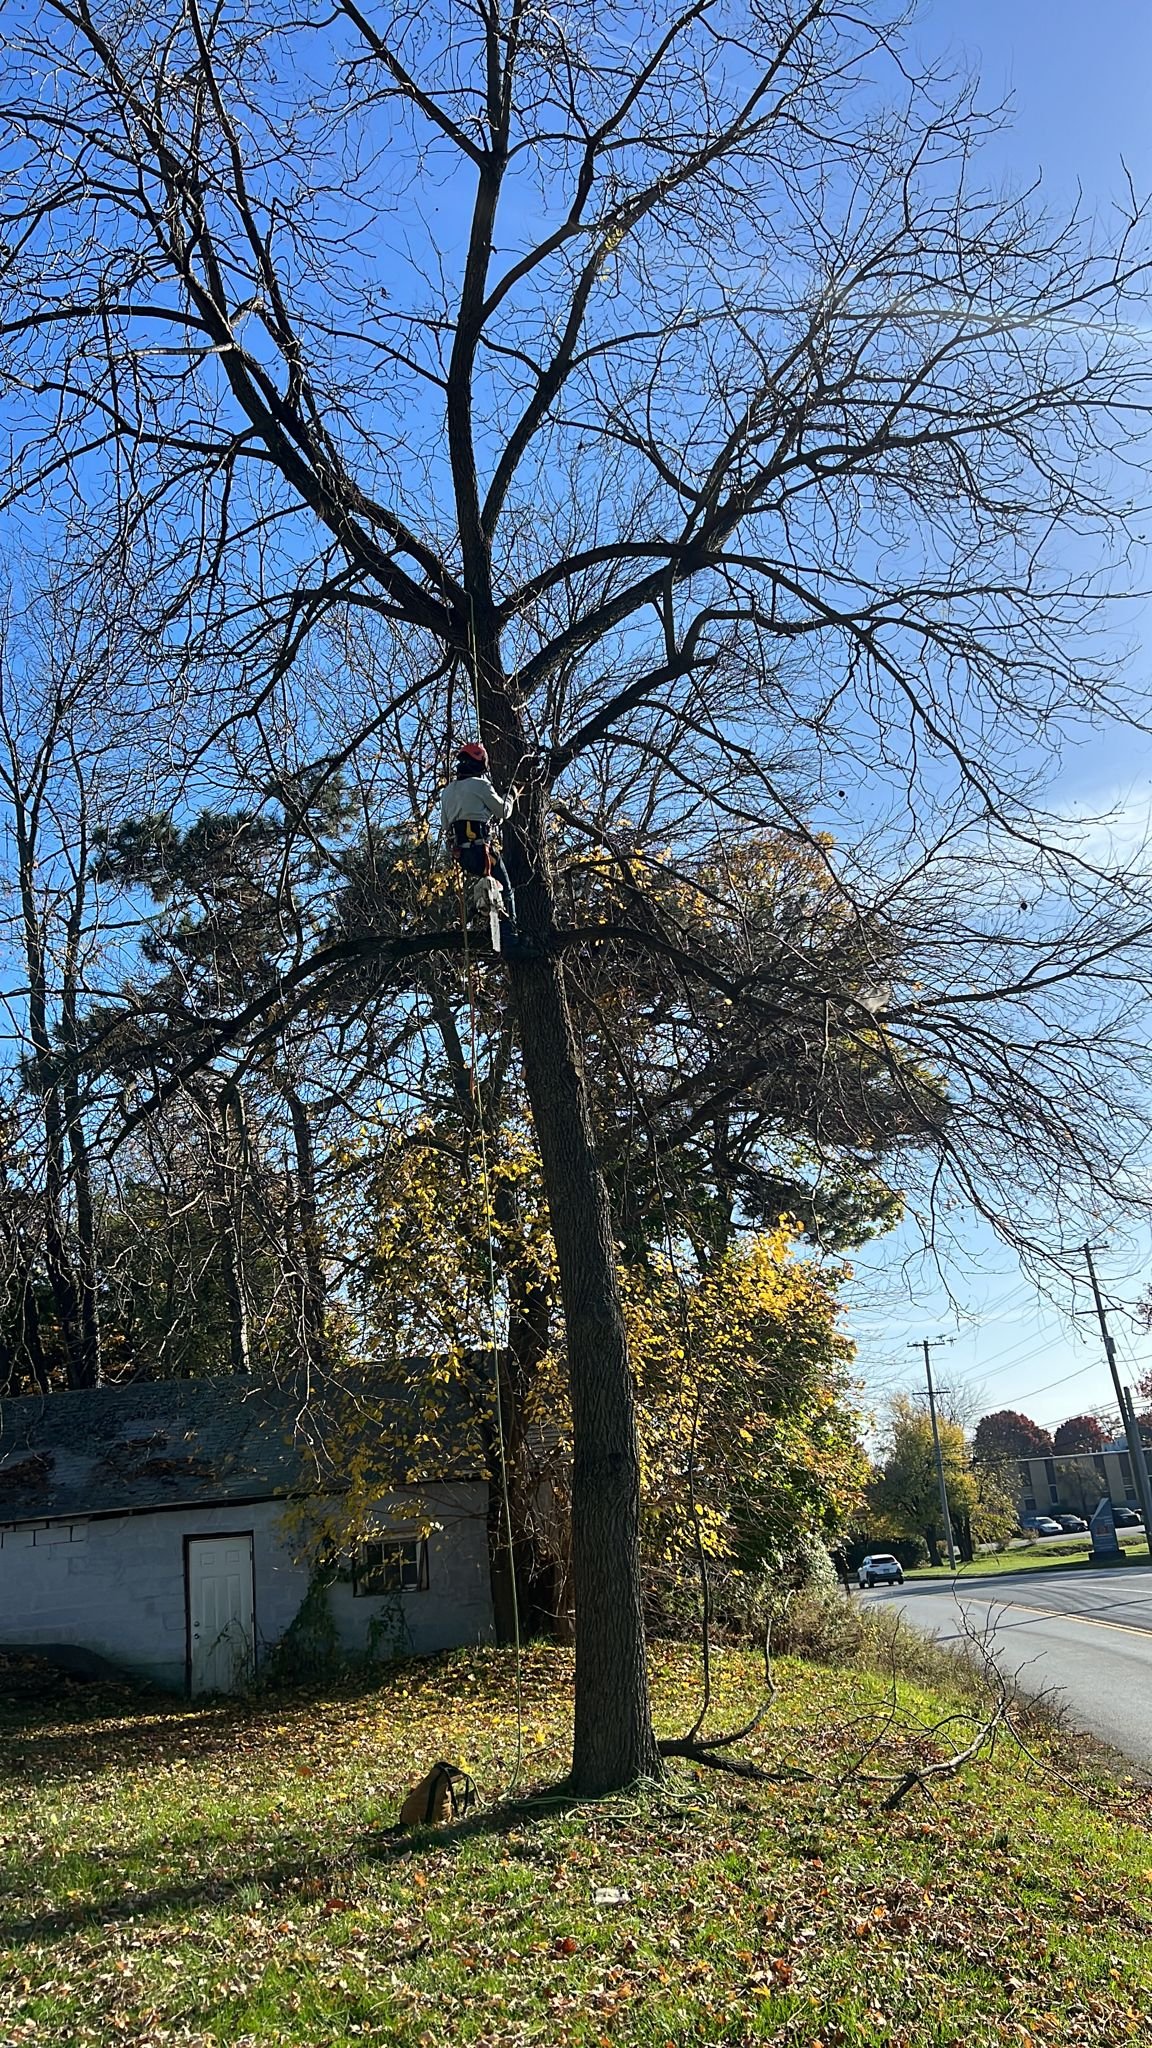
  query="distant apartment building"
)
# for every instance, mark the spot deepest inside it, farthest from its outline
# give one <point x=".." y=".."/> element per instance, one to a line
<point x="1074" y="1483"/>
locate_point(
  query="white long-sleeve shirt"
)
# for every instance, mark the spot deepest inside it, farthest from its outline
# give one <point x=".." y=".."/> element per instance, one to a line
<point x="474" y="797"/>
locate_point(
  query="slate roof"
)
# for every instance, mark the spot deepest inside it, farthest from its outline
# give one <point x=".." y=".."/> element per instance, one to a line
<point x="170" y="1443"/>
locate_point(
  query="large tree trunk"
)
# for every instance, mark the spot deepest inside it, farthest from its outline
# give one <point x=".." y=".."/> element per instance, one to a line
<point x="86" y="1264"/>
<point x="312" y="1279"/>
<point x="614" y="1743"/>
<point x="83" y="1369"/>
<point x="233" y="1177"/>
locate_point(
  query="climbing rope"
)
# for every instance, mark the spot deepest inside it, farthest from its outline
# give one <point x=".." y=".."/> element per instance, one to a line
<point x="493" y="1302"/>
<point x="638" y="1108"/>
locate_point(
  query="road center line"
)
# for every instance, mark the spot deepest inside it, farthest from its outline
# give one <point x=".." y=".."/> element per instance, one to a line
<point x="1127" y="1628"/>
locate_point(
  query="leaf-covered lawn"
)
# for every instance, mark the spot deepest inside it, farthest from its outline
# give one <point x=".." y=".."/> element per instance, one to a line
<point x="221" y="1874"/>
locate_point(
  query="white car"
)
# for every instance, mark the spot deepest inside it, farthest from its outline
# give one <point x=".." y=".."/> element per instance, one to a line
<point x="881" y="1570"/>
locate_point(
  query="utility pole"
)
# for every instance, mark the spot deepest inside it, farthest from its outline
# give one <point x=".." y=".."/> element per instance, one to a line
<point x="927" y="1344"/>
<point x="1127" y="1410"/>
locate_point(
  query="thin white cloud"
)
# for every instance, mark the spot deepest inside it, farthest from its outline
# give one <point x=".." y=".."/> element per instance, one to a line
<point x="1114" y="830"/>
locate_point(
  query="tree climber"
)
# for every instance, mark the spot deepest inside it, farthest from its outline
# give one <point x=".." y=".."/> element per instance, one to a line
<point x="471" y="810"/>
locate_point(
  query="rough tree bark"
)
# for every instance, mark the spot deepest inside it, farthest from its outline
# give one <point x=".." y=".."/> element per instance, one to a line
<point x="233" y="1131"/>
<point x="311" y="1279"/>
<point x="614" y="1742"/>
<point x="82" y="1360"/>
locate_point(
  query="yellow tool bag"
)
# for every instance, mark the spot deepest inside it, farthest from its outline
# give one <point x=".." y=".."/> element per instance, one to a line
<point x="445" y="1793"/>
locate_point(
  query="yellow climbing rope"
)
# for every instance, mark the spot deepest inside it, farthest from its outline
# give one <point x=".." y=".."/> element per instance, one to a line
<point x="493" y="1301"/>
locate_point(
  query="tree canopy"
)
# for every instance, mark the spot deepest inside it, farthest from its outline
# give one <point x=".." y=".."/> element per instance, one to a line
<point x="1008" y="1434"/>
<point x="905" y="1491"/>
<point x="1079" y="1433"/>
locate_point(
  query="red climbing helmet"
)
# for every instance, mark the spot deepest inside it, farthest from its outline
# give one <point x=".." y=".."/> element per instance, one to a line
<point x="472" y="755"/>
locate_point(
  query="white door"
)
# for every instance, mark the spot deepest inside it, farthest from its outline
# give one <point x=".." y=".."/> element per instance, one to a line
<point x="220" y="1631"/>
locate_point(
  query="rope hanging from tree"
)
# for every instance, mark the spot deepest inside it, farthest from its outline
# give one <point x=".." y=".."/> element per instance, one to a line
<point x="493" y="1300"/>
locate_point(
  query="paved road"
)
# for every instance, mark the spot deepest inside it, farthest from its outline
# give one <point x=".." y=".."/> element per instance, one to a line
<point x="1088" y="1634"/>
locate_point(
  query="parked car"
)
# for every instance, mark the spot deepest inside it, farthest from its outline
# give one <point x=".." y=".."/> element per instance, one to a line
<point x="1126" y="1518"/>
<point x="1040" y="1525"/>
<point x="881" y="1570"/>
<point x="1072" y="1525"/>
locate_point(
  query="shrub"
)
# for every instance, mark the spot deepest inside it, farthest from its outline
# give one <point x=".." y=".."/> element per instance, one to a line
<point x="820" y="1623"/>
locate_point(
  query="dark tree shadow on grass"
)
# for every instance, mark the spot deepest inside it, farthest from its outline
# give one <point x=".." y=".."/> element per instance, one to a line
<point x="64" y="1729"/>
<point x="77" y="1740"/>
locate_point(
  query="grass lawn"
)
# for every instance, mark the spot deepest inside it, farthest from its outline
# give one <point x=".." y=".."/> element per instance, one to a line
<point x="222" y="1874"/>
<point x="1039" y="1557"/>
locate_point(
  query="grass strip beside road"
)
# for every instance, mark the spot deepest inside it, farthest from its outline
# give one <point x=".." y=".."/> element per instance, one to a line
<point x="220" y="1876"/>
<point x="1075" y="1555"/>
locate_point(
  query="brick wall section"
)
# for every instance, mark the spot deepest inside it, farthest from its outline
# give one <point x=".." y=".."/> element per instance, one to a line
<point x="116" y="1586"/>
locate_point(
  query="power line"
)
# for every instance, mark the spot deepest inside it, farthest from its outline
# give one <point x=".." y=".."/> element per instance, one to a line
<point x="1077" y="1375"/>
<point x="979" y="1370"/>
<point x="977" y="1374"/>
<point x="1034" y="1337"/>
<point x="978" y="1364"/>
<point x="1015" y="1364"/>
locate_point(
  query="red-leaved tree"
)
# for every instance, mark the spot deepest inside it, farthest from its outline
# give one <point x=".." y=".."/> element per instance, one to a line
<point x="1008" y="1434"/>
<point x="1080" y="1433"/>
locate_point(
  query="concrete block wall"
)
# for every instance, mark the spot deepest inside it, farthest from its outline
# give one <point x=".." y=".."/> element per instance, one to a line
<point x="454" y="1608"/>
<point x="116" y="1585"/>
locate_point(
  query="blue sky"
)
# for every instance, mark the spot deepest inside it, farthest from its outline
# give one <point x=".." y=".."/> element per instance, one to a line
<point x="1081" y="86"/>
<point x="1081" y="114"/>
<point x="1081" y="83"/>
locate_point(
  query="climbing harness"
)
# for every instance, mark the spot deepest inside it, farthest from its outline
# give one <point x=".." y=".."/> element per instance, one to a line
<point x="488" y="898"/>
<point x="473" y="848"/>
